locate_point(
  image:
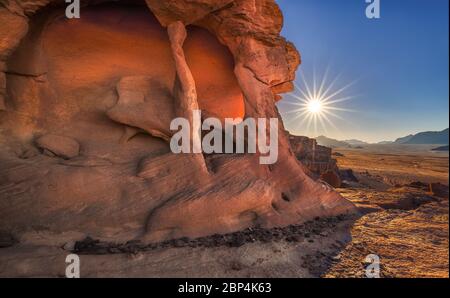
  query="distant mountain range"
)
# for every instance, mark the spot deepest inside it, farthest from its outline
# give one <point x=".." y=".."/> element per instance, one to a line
<point x="331" y="143"/>
<point x="442" y="148"/>
<point x="426" y="137"/>
<point x="355" y="142"/>
<point x="403" y="140"/>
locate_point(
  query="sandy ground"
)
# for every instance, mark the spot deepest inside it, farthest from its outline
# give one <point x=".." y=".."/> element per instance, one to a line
<point x="397" y="164"/>
<point x="407" y="227"/>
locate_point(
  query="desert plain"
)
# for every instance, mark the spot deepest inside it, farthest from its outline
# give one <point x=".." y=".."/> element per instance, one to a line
<point x="408" y="226"/>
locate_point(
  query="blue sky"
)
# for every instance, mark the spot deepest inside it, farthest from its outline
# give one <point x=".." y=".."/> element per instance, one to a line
<point x="399" y="62"/>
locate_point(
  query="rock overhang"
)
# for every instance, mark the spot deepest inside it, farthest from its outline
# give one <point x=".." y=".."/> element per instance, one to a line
<point x="137" y="190"/>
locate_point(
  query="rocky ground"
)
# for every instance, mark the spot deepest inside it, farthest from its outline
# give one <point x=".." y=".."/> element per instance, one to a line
<point x="410" y="242"/>
<point x="304" y="250"/>
<point x="405" y="225"/>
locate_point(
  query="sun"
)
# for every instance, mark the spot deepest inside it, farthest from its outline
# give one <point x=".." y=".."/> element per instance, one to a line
<point x="316" y="104"/>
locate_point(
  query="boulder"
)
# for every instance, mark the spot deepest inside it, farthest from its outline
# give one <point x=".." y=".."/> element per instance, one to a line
<point x="439" y="190"/>
<point x="347" y="175"/>
<point x="331" y="178"/>
<point x="62" y="146"/>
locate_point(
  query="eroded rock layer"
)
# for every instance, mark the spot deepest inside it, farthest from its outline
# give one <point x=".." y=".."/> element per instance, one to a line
<point x="315" y="157"/>
<point x="86" y="106"/>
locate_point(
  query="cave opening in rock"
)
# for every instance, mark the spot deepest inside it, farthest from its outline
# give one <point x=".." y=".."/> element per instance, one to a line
<point x="64" y="76"/>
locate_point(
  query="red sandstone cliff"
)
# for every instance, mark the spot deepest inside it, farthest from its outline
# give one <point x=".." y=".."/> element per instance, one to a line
<point x="85" y="106"/>
<point x="316" y="159"/>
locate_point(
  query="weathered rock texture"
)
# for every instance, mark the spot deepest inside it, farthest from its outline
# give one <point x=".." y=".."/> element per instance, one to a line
<point x="318" y="159"/>
<point x="111" y="82"/>
<point x="60" y="146"/>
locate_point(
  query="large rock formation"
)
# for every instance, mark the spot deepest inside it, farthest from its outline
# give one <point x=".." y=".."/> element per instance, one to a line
<point x="110" y="83"/>
<point x="315" y="157"/>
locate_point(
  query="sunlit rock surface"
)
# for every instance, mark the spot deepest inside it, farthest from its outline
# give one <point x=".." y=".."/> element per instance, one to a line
<point x="316" y="158"/>
<point x="107" y="82"/>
